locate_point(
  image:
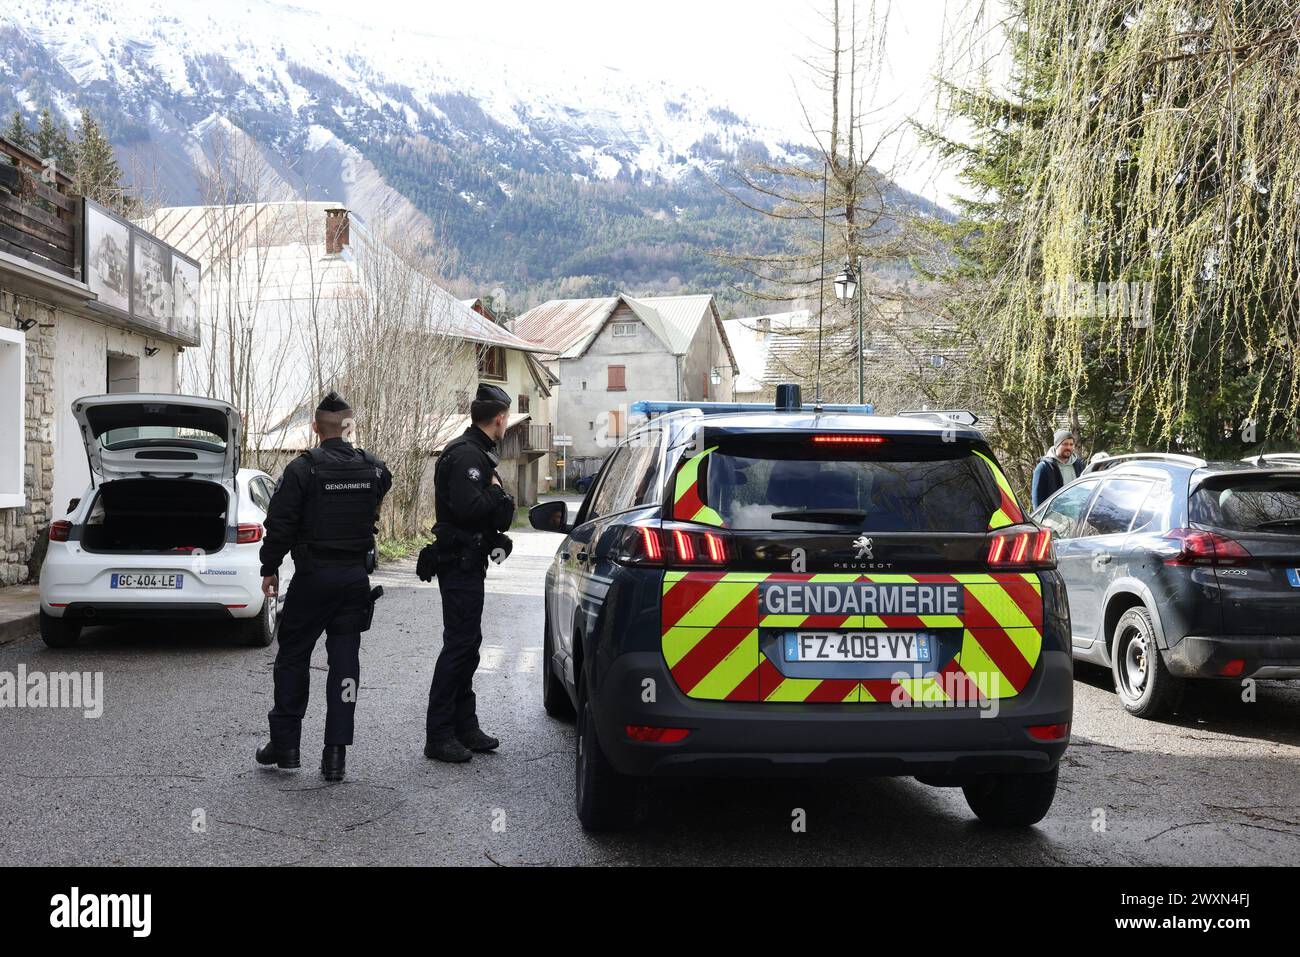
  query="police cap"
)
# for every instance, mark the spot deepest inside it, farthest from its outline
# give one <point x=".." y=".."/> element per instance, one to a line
<point x="491" y="393"/>
<point x="333" y="402"/>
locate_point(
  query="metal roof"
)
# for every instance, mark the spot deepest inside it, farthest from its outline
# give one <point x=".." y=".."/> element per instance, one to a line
<point x="566" y="327"/>
<point x="281" y="246"/>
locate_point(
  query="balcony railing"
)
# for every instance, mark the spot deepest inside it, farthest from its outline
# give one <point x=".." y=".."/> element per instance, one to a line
<point x="538" y="438"/>
<point x="40" y="219"/>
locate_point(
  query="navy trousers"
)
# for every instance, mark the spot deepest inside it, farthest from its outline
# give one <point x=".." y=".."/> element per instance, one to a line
<point x="331" y="598"/>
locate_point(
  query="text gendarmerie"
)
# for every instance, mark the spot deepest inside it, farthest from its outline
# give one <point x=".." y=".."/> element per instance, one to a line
<point x="861" y="598"/>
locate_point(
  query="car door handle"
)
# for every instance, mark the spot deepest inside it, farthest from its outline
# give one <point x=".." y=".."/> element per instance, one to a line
<point x="1102" y="559"/>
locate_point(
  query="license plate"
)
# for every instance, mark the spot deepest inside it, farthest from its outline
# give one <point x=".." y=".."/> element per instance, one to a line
<point x="857" y="646"/>
<point x="167" y="580"/>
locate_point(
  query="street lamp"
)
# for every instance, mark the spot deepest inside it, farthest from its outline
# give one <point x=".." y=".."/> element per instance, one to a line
<point x="846" y="283"/>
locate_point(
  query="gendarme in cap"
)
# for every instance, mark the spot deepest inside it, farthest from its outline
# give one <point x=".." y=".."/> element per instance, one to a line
<point x="491" y="393"/>
<point x="333" y="402"/>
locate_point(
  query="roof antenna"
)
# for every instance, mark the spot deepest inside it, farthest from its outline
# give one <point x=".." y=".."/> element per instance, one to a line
<point x="821" y="290"/>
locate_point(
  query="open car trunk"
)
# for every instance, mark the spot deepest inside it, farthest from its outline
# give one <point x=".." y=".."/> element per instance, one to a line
<point x="168" y="516"/>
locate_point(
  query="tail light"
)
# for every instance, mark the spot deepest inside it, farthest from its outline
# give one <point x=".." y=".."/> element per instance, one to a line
<point x="1021" y="548"/>
<point x="248" y="533"/>
<point x="60" y="530"/>
<point x="651" y="545"/>
<point x="1199" y="547"/>
<point x="1049" y="732"/>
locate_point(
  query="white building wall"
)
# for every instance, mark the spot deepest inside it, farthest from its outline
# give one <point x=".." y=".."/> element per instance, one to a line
<point x="82" y="348"/>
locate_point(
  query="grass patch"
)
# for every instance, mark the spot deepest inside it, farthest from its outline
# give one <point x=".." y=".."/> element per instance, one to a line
<point x="395" y="549"/>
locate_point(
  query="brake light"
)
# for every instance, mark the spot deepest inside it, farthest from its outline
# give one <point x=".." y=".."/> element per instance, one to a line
<point x="651" y="545"/>
<point x="248" y="533"/>
<point x="649" y="733"/>
<point x="1199" y="547"/>
<point x="848" y="440"/>
<point x="1234" y="668"/>
<point x="1021" y="549"/>
<point x="682" y="545"/>
<point x="60" y="530"/>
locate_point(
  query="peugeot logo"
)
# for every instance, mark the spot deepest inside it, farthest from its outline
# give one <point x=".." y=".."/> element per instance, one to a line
<point x="863" y="544"/>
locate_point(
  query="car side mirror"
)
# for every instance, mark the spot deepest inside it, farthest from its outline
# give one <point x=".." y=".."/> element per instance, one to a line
<point x="550" y="517"/>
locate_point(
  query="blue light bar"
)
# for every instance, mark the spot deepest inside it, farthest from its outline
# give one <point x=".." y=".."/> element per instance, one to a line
<point x="648" y="407"/>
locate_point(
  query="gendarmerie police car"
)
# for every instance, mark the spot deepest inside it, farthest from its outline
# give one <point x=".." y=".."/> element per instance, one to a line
<point x="749" y="590"/>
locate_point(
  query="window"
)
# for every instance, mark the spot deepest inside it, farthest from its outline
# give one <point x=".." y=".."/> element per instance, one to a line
<point x="903" y="487"/>
<point x="1062" y="512"/>
<point x="491" y="361"/>
<point x="617" y="378"/>
<point x="523" y="404"/>
<point x="1113" y="510"/>
<point x="1153" y="516"/>
<point x="622" y="329"/>
<point x="13" y="417"/>
<point x="612" y="485"/>
<point x="936" y="362"/>
<point x="1252" y="503"/>
<point x="646" y="473"/>
<point x="617" y="423"/>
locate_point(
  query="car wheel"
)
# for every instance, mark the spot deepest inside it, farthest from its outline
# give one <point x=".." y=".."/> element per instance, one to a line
<point x="605" y="799"/>
<point x="555" y="699"/>
<point x="59" y="632"/>
<point x="1012" y="800"/>
<point x="259" y="632"/>
<point x="1142" y="681"/>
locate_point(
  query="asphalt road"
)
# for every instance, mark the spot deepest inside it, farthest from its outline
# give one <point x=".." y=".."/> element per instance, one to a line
<point x="185" y="709"/>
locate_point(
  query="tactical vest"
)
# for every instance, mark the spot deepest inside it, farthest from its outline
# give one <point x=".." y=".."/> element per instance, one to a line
<point x="342" y="499"/>
<point x="441" y="494"/>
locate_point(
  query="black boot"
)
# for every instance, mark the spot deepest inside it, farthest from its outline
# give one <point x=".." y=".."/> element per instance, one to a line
<point x="334" y="762"/>
<point x="286" y="758"/>
<point x="448" y="749"/>
<point x="476" y="740"/>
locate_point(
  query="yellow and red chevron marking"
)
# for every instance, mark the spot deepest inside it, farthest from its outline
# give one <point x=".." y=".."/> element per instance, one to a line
<point x="688" y="503"/>
<point x="1008" y="511"/>
<point x="711" y="625"/>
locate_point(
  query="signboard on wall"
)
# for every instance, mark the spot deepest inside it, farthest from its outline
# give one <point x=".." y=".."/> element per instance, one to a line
<point x="143" y="282"/>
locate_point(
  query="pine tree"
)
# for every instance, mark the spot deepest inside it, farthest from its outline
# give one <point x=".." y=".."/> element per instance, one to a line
<point x="16" y="132"/>
<point x="95" y="172"/>
<point x="52" y="140"/>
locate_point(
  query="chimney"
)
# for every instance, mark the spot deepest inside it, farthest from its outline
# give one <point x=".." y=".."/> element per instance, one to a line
<point x="336" y="231"/>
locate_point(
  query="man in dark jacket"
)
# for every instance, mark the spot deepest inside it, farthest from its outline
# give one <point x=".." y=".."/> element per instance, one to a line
<point x="473" y="511"/>
<point x="1059" y="467"/>
<point x="324" y="511"/>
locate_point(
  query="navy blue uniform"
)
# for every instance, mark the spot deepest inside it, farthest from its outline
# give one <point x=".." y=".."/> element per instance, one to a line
<point x="325" y="510"/>
<point x="471" y="511"/>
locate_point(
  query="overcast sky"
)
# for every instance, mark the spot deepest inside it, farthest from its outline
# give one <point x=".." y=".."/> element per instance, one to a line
<point x="747" y="51"/>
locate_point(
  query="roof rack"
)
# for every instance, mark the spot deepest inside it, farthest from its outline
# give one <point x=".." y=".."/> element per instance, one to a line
<point x="960" y="416"/>
<point x="1112" y="460"/>
<point x="1274" y="458"/>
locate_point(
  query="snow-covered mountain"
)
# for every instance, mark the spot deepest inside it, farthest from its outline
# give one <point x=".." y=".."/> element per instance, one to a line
<point x="505" y="150"/>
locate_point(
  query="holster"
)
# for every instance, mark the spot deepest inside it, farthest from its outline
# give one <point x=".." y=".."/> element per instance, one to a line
<point x="376" y="593"/>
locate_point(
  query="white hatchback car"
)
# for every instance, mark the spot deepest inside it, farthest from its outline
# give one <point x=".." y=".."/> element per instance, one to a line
<point x="170" y="527"/>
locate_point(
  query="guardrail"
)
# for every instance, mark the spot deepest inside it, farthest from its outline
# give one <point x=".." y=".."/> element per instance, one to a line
<point x="40" y="218"/>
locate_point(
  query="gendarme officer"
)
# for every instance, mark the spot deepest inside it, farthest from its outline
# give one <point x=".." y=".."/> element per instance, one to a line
<point x="473" y="512"/>
<point x="324" y="511"/>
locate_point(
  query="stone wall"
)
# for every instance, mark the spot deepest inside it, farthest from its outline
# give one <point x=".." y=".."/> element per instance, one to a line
<point x="23" y="531"/>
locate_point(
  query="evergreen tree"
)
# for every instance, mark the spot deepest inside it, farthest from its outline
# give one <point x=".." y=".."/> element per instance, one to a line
<point x="95" y="172"/>
<point x="16" y="132"/>
<point x="52" y="140"/>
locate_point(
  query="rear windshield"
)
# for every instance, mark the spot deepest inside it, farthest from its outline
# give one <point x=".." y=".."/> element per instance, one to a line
<point x="139" y="437"/>
<point x="1263" y="503"/>
<point x="903" y="487"/>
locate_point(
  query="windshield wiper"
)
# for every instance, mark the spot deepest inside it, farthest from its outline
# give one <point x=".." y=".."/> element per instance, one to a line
<point x="1278" y="522"/>
<point x="830" y="516"/>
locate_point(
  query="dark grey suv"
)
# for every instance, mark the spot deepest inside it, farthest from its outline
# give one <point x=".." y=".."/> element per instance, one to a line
<point x="1177" y="568"/>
